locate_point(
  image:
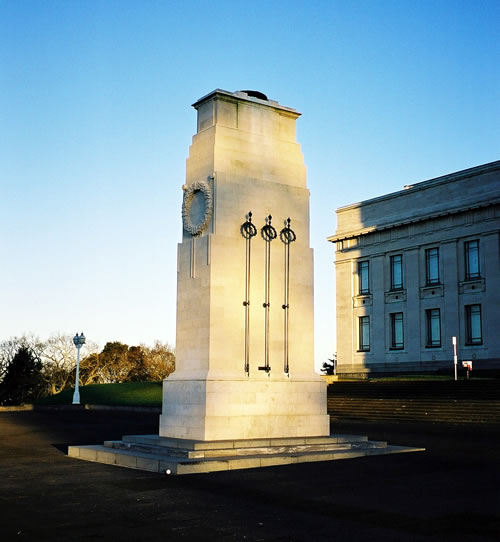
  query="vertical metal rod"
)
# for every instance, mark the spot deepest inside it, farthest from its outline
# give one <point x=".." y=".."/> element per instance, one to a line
<point x="76" y="394"/>
<point x="286" y="307"/>
<point x="267" y="304"/>
<point x="455" y="357"/>
<point x="268" y="234"/>
<point x="287" y="236"/>
<point x="247" y="306"/>
<point x="248" y="230"/>
<point x="78" y="341"/>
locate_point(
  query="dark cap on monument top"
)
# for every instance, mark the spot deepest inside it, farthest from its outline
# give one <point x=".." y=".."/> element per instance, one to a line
<point x="255" y="94"/>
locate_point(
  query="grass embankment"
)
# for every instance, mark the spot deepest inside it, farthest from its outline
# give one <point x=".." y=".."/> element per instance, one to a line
<point x="144" y="394"/>
<point x="149" y="394"/>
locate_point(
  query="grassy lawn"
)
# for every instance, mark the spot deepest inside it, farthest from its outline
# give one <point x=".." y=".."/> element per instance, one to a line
<point x="149" y="394"/>
<point x="146" y="394"/>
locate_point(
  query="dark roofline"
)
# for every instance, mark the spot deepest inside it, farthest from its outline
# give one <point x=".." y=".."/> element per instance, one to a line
<point x="373" y="229"/>
<point x="411" y="188"/>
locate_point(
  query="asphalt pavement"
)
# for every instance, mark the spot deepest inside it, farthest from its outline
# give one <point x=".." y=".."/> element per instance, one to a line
<point x="451" y="492"/>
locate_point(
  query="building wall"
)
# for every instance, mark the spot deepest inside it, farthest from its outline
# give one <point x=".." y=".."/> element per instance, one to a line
<point x="443" y="213"/>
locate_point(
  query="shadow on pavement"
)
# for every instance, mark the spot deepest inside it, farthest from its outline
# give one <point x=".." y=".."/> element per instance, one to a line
<point x="450" y="492"/>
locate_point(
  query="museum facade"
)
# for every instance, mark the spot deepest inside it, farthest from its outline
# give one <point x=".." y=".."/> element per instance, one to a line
<point x="416" y="268"/>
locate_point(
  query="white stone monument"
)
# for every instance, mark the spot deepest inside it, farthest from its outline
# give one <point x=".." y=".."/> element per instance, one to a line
<point x="244" y="349"/>
<point x="244" y="393"/>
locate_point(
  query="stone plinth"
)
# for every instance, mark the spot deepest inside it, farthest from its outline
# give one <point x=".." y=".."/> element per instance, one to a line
<point x="178" y="456"/>
<point x="243" y="409"/>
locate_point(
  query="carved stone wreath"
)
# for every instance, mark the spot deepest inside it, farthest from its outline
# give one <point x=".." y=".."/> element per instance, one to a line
<point x="189" y="192"/>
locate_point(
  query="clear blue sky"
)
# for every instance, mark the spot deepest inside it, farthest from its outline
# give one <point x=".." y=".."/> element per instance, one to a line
<point x="95" y="126"/>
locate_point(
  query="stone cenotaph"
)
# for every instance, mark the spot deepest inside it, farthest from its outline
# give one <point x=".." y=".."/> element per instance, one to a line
<point x="244" y="348"/>
<point x="244" y="393"/>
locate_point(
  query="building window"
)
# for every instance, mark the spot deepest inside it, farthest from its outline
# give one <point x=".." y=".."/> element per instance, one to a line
<point x="471" y="260"/>
<point x="432" y="265"/>
<point x="433" y="317"/>
<point x="364" y="333"/>
<point x="364" y="277"/>
<point x="397" y="272"/>
<point x="397" y="341"/>
<point x="473" y="330"/>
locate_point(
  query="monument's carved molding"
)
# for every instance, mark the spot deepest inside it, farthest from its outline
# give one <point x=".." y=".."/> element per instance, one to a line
<point x="187" y="202"/>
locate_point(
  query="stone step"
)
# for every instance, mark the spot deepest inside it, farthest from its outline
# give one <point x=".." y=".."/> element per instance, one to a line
<point x="403" y="410"/>
<point x="480" y="390"/>
<point x="419" y="400"/>
<point x="424" y="411"/>
<point x="413" y="407"/>
<point x="187" y="444"/>
<point x="410" y="419"/>
<point x="486" y="412"/>
<point x="150" y="445"/>
<point x="175" y="465"/>
<point x="418" y="411"/>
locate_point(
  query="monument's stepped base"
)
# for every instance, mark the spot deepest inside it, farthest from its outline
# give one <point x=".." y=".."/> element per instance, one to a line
<point x="179" y="456"/>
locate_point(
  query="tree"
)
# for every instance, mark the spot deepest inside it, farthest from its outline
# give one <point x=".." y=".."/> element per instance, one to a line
<point x="137" y="366"/>
<point x="22" y="381"/>
<point x="109" y="366"/>
<point x="159" y="361"/>
<point x="91" y="370"/>
<point x="119" y="363"/>
<point x="59" y="361"/>
<point x="8" y="350"/>
<point x="10" y="347"/>
<point x="114" y="357"/>
<point x="106" y="367"/>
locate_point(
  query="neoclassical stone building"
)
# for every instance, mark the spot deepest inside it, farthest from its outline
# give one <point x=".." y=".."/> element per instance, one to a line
<point x="415" y="268"/>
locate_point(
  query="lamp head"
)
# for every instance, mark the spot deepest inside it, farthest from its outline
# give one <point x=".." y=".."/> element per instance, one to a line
<point x="79" y="340"/>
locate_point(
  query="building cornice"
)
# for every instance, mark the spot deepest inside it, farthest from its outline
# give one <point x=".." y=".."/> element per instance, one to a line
<point x="372" y="229"/>
<point x="423" y="185"/>
<point x="410" y="190"/>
